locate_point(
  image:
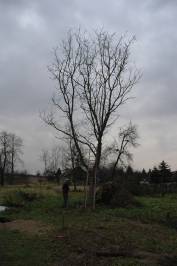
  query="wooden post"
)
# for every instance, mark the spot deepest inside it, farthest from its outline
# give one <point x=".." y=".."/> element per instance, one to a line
<point x="63" y="220"/>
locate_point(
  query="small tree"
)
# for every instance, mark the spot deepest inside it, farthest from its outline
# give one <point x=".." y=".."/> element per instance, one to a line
<point x="94" y="79"/>
<point x="164" y="171"/>
<point x="16" y="144"/>
<point x="127" y="138"/>
<point x="10" y="151"/>
<point x="45" y="159"/>
<point x="154" y="175"/>
<point x="4" y="153"/>
<point x="51" y="160"/>
<point x="71" y="159"/>
<point x="144" y="174"/>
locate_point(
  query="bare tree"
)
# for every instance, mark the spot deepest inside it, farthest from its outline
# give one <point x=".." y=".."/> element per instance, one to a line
<point x="4" y="154"/>
<point x="16" y="144"/>
<point x="44" y="157"/>
<point x="55" y="158"/>
<point x="10" y="151"/>
<point x="51" y="159"/>
<point x="127" y="139"/>
<point x="71" y="159"/>
<point x="94" y="79"/>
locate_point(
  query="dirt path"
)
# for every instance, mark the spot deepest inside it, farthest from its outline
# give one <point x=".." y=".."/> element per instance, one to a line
<point x="27" y="226"/>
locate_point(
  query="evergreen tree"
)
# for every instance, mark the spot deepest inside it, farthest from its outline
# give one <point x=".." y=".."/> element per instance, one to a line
<point x="164" y="171"/>
<point x="155" y="175"/>
<point x="129" y="170"/>
<point x="143" y="174"/>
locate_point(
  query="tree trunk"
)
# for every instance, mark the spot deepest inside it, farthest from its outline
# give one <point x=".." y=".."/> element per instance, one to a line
<point x="94" y="189"/>
<point x="2" y="177"/>
<point x="85" y="188"/>
<point x="94" y="175"/>
<point x="12" y="165"/>
<point x="91" y="191"/>
<point x="75" y="186"/>
<point x="115" y="165"/>
<point x="3" y="169"/>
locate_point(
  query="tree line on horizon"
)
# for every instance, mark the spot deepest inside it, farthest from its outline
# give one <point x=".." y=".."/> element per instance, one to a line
<point x="11" y="150"/>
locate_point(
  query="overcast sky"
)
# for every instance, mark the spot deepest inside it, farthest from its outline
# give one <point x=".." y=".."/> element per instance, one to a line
<point x="30" y="29"/>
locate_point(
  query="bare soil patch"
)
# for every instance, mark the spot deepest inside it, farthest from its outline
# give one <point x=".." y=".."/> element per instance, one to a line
<point x="27" y="226"/>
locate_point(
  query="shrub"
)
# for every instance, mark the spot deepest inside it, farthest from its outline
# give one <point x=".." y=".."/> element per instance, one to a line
<point x="19" y="198"/>
<point x="123" y="198"/>
<point x="13" y="199"/>
<point x="171" y="220"/>
<point x="29" y="195"/>
<point x="104" y="195"/>
<point x="4" y="219"/>
<point x="115" y="195"/>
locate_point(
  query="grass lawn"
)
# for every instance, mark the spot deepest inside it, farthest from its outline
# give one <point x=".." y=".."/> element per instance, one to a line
<point x="41" y="232"/>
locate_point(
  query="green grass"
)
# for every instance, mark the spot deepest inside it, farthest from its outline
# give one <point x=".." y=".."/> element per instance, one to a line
<point x="19" y="249"/>
<point x="148" y="229"/>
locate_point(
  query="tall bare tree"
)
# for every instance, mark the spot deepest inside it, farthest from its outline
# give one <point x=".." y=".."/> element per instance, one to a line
<point x="94" y="79"/>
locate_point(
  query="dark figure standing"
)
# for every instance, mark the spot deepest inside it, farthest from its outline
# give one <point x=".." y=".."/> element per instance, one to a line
<point x="65" y="189"/>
